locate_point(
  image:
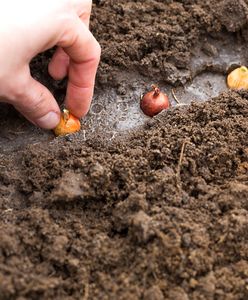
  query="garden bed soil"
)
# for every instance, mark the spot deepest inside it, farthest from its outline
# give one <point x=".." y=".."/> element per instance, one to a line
<point x="159" y="212"/>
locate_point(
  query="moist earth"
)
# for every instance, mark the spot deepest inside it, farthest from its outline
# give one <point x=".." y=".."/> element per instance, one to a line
<point x="160" y="213"/>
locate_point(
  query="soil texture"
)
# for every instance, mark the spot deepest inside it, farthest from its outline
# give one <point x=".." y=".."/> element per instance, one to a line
<point x="158" y="213"/>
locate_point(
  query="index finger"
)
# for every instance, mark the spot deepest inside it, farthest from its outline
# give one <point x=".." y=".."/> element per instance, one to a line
<point x="84" y="52"/>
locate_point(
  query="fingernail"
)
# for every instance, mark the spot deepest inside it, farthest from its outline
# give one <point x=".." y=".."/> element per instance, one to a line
<point x="49" y="121"/>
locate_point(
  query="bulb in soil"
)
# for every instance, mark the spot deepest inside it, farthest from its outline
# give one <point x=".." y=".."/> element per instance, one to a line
<point x="68" y="124"/>
<point x="238" y="79"/>
<point x="153" y="102"/>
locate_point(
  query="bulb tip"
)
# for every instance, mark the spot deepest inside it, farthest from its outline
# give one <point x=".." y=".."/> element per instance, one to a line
<point x="243" y="69"/>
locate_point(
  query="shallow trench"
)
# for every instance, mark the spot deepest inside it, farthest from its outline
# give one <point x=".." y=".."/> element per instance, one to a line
<point x="116" y="112"/>
<point x="112" y="113"/>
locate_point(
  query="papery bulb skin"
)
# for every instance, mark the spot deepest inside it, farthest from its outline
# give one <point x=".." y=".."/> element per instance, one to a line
<point x="238" y="79"/>
<point x="153" y="102"/>
<point x="68" y="124"/>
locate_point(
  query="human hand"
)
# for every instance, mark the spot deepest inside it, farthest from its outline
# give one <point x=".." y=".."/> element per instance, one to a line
<point x="29" y="27"/>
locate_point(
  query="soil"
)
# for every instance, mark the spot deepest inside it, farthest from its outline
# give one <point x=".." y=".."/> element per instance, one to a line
<point x="159" y="212"/>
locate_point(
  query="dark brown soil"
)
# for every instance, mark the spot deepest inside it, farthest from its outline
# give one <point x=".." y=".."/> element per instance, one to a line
<point x="161" y="213"/>
<point x="157" y="37"/>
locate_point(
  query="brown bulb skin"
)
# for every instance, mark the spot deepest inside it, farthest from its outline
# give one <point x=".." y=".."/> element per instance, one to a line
<point x="153" y="102"/>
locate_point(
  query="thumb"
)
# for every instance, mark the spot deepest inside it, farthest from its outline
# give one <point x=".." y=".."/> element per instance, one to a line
<point x="38" y="105"/>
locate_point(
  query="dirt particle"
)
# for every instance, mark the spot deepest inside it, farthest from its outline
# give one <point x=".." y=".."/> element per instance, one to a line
<point x="153" y="293"/>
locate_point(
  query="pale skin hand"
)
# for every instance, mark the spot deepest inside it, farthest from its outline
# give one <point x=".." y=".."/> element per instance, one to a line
<point x="28" y="27"/>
